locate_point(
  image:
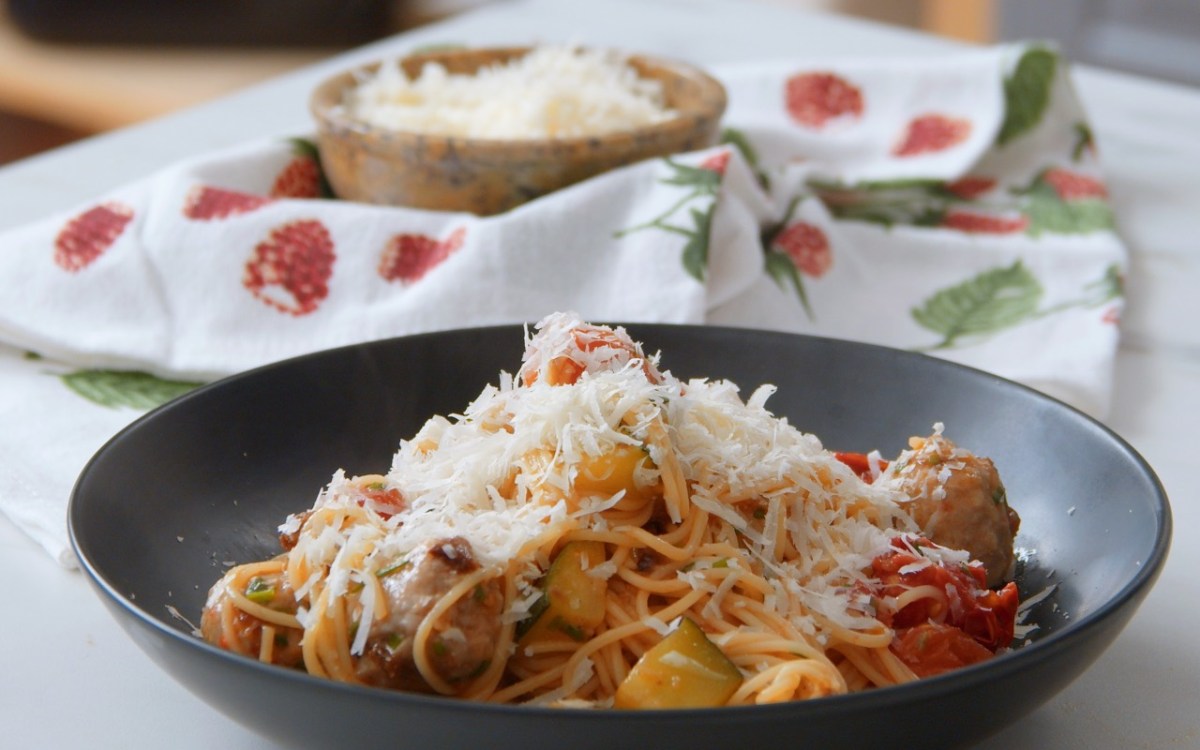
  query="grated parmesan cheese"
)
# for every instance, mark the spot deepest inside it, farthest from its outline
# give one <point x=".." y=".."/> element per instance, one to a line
<point x="712" y="607"/>
<point x="552" y="92"/>
<point x="501" y="473"/>
<point x="1022" y="629"/>
<point x="571" y="683"/>
<point x="603" y="571"/>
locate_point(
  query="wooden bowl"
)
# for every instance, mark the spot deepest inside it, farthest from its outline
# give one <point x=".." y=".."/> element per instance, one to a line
<point x="487" y="176"/>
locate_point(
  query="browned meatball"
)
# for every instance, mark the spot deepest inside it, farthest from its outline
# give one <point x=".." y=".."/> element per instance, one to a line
<point x="225" y="625"/>
<point x="462" y="640"/>
<point x="958" y="501"/>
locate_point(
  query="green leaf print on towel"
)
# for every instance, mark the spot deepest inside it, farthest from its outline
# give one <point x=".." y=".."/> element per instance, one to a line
<point x="992" y="301"/>
<point x="704" y="182"/>
<point x="1027" y="93"/>
<point x="133" y="390"/>
<point x="1056" y="200"/>
<point x="795" y="248"/>
<point x="737" y="139"/>
<point x="1062" y="201"/>
<point x="998" y="299"/>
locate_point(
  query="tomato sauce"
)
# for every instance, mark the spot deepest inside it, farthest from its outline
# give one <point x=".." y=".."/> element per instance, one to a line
<point x="932" y="635"/>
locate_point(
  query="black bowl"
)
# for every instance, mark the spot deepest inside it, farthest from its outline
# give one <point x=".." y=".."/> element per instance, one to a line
<point x="202" y="482"/>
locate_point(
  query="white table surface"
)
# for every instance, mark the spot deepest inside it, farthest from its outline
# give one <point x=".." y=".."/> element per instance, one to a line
<point x="69" y="677"/>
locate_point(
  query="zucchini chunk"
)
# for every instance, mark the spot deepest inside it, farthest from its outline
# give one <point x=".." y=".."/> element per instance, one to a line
<point x="572" y="603"/>
<point x="685" y="670"/>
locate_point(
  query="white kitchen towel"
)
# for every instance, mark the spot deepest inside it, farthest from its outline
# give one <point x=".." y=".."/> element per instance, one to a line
<point x="953" y="206"/>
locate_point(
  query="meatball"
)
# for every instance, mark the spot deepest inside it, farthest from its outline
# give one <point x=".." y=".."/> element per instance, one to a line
<point x="225" y="625"/>
<point x="958" y="501"/>
<point x="464" y="637"/>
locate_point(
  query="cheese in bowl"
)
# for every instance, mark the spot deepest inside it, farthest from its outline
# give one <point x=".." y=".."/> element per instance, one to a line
<point x="485" y="130"/>
<point x="552" y="92"/>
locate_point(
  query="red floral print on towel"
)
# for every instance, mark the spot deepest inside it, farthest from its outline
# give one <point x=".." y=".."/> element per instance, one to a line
<point x="205" y="203"/>
<point x="1072" y="186"/>
<point x="291" y="268"/>
<point x="808" y="247"/>
<point x="970" y="187"/>
<point x="716" y="163"/>
<point x="85" y="237"/>
<point x="981" y="223"/>
<point x="408" y="257"/>
<point x="931" y="133"/>
<point x="815" y="99"/>
<point x="301" y="178"/>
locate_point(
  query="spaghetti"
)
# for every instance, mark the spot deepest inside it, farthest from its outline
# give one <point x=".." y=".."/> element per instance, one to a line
<point x="594" y="530"/>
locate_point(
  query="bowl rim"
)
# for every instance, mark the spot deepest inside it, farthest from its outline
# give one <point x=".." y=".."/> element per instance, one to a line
<point x="325" y="105"/>
<point x="1001" y="666"/>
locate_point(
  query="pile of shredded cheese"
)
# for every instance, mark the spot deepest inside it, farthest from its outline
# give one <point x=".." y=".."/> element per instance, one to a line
<point x="552" y="92"/>
<point x="731" y="452"/>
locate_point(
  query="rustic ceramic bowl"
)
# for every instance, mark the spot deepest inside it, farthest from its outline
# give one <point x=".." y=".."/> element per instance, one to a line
<point x="488" y="176"/>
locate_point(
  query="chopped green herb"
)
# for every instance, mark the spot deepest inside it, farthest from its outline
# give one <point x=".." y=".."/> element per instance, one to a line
<point x="260" y="591"/>
<point x="722" y="563"/>
<point x="760" y="513"/>
<point x="377" y="486"/>
<point x="439" y="648"/>
<point x="483" y="667"/>
<point x="394" y="640"/>
<point x="480" y="593"/>
<point x="573" y="632"/>
<point x="999" y="496"/>
<point x="393" y="568"/>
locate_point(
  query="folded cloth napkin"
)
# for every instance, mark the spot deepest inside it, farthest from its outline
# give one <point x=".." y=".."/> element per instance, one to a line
<point x="952" y="206"/>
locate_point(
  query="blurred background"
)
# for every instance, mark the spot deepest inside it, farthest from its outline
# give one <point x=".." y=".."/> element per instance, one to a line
<point x="74" y="68"/>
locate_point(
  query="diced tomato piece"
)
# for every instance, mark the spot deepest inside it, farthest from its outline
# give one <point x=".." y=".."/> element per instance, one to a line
<point x="385" y="502"/>
<point x="860" y="464"/>
<point x="561" y="371"/>
<point x="992" y="621"/>
<point x="933" y="648"/>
